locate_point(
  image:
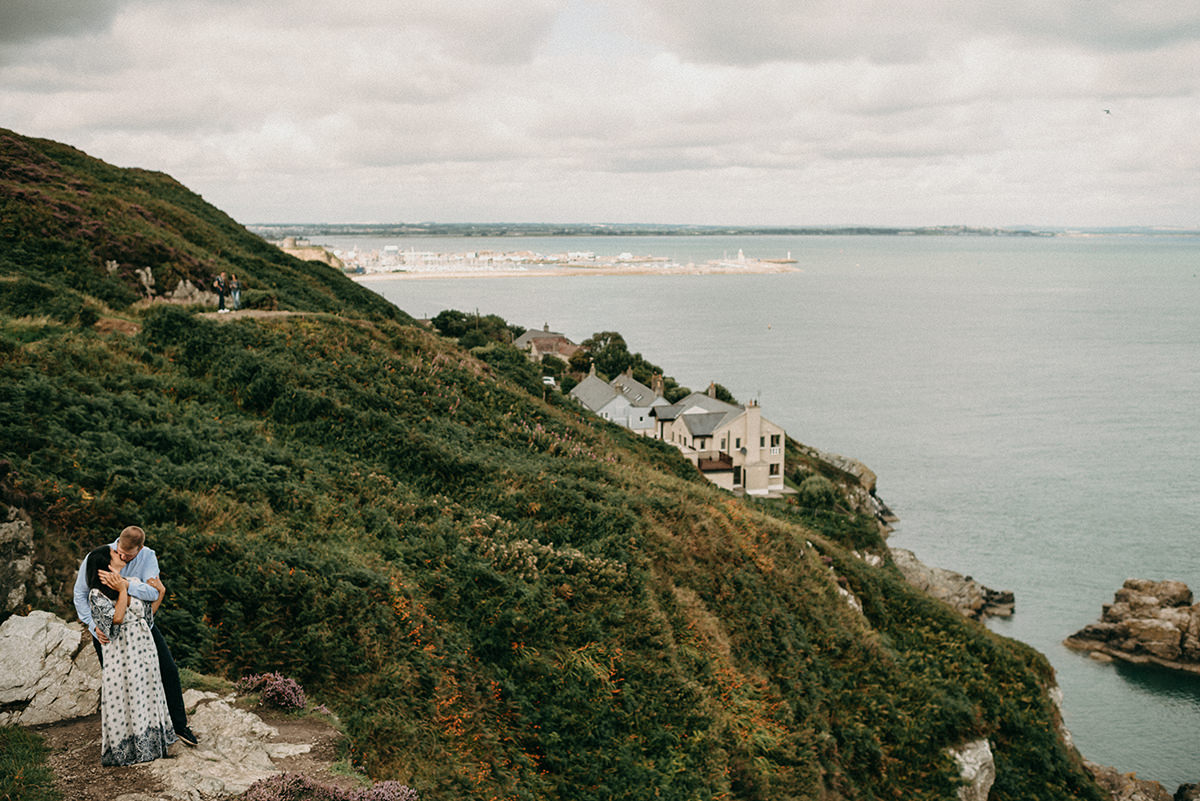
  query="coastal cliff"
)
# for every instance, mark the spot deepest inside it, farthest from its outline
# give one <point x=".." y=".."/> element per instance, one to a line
<point x="497" y="596"/>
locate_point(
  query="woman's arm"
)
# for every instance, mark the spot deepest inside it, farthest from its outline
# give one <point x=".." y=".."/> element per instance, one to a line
<point x="121" y="585"/>
<point x="122" y="603"/>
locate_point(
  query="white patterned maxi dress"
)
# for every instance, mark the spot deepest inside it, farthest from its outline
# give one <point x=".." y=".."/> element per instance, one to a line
<point x="135" y="725"/>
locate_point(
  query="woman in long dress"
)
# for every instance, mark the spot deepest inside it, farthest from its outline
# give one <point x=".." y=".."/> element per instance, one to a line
<point x="134" y="722"/>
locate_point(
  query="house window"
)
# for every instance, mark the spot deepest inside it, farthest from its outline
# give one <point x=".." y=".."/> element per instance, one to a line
<point x="774" y="469"/>
<point x="762" y="442"/>
<point x="737" y="443"/>
<point x="724" y="442"/>
<point x="774" y="440"/>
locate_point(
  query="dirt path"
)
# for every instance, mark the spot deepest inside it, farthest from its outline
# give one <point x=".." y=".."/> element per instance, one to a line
<point x="74" y="756"/>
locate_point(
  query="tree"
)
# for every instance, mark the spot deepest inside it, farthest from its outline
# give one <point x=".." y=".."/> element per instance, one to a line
<point x="609" y="353"/>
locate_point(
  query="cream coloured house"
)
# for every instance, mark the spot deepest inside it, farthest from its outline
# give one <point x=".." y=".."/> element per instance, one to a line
<point x="735" y="447"/>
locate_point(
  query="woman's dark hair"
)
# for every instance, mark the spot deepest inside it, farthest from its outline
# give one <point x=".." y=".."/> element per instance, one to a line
<point x="98" y="560"/>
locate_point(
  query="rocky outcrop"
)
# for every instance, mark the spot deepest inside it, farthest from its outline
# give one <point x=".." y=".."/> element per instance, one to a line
<point x="856" y="480"/>
<point x="964" y="593"/>
<point x="236" y="749"/>
<point x="21" y="581"/>
<point x="48" y="670"/>
<point x="977" y="768"/>
<point x="1126" y="786"/>
<point x="187" y="292"/>
<point x="1148" y="621"/>
<point x="1187" y="792"/>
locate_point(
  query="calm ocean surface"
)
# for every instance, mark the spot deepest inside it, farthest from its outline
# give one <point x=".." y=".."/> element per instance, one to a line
<point x="1031" y="406"/>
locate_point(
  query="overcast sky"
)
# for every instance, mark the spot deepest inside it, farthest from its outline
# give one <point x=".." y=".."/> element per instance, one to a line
<point x="773" y="112"/>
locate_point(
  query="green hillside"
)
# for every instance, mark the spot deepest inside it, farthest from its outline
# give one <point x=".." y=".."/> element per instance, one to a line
<point x="505" y="598"/>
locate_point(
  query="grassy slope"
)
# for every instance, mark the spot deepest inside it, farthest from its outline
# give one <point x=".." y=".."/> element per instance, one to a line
<point x="506" y="599"/>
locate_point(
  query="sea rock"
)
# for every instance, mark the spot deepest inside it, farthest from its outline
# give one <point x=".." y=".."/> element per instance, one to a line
<point x="1148" y="621"/>
<point x="1158" y="637"/>
<point x="977" y="768"/>
<point x="1166" y="593"/>
<point x="21" y="580"/>
<point x="1187" y="792"/>
<point x="236" y="749"/>
<point x="964" y="593"/>
<point x="1126" y="786"/>
<point x="48" y="670"/>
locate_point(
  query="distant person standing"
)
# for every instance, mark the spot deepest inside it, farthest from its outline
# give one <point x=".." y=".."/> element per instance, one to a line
<point x="235" y="289"/>
<point x="221" y="285"/>
<point x="141" y="564"/>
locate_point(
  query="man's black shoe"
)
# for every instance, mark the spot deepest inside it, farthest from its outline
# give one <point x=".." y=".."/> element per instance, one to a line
<point x="185" y="734"/>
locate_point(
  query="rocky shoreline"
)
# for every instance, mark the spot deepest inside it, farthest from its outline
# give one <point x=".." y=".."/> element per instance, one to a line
<point x="964" y="593"/>
<point x="1148" y="622"/>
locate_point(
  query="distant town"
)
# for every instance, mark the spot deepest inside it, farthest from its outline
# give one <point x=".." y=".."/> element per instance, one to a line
<point x="395" y="260"/>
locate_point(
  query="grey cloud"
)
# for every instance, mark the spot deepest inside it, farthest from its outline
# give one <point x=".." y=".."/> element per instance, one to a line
<point x="880" y="31"/>
<point x="31" y="20"/>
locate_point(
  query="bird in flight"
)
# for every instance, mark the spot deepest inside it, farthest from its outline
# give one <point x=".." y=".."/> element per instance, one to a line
<point x="1107" y="111"/>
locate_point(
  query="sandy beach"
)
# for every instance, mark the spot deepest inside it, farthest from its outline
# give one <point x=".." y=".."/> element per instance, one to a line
<point x="749" y="266"/>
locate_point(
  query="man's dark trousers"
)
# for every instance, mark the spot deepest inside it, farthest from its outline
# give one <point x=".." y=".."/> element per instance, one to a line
<point x="170" y="677"/>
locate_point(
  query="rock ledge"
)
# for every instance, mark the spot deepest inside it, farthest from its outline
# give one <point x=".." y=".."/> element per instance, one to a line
<point x="964" y="593"/>
<point x="1148" y="622"/>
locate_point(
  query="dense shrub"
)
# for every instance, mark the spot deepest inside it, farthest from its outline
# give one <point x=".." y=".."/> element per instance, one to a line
<point x="817" y="492"/>
<point x="275" y="690"/>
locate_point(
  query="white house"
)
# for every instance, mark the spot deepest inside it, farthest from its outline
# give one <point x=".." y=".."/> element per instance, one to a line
<point x="624" y="400"/>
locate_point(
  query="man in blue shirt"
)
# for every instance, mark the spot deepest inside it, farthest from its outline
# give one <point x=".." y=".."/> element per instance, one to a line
<point x="140" y="563"/>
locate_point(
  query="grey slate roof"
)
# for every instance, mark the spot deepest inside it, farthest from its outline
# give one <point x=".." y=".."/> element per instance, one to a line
<point x="526" y="339"/>
<point x="703" y="401"/>
<point x="703" y="425"/>
<point x="667" y="412"/>
<point x="637" y="393"/>
<point x="593" y="393"/>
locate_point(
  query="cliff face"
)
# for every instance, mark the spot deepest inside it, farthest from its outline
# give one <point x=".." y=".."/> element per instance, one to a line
<point x="499" y="596"/>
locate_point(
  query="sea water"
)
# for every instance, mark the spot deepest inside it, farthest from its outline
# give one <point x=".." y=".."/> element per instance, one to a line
<point x="1030" y="405"/>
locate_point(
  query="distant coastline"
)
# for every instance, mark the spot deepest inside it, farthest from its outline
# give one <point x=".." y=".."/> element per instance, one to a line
<point x="393" y="263"/>
<point x="431" y="229"/>
<point x="566" y="271"/>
